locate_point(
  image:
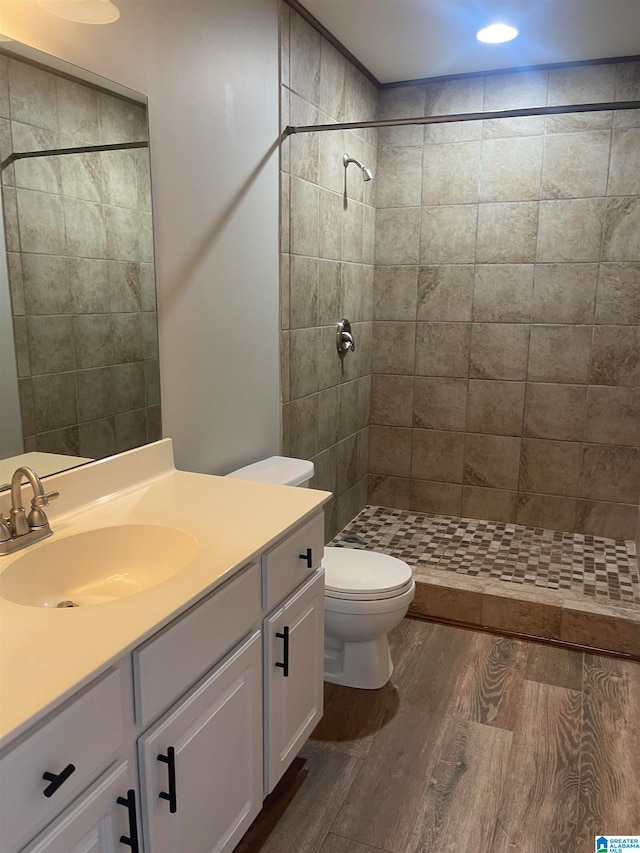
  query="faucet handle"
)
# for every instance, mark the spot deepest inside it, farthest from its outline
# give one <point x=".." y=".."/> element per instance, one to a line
<point x="37" y="517"/>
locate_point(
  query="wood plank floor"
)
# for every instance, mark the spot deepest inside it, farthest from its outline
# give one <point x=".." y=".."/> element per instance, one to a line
<point x="478" y="744"/>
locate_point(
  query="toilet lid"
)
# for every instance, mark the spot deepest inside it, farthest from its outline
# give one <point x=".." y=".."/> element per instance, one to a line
<point x="351" y="573"/>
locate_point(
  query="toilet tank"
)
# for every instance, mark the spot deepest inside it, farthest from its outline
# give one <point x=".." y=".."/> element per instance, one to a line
<point x="283" y="470"/>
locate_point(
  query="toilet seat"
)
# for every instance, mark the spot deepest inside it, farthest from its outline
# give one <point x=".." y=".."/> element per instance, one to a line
<point x="352" y="575"/>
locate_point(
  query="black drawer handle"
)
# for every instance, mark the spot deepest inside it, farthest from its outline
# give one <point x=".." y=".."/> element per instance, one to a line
<point x="308" y="557"/>
<point x="170" y="760"/>
<point x="285" y="637"/>
<point x="57" y="779"/>
<point x="130" y="840"/>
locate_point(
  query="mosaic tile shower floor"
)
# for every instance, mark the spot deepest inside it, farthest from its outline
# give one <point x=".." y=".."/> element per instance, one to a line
<point x="605" y="570"/>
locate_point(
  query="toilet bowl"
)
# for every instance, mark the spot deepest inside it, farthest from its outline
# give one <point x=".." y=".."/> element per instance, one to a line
<point x="366" y="593"/>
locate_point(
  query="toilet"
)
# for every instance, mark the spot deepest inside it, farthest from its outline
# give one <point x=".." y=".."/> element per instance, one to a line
<point x="366" y="593"/>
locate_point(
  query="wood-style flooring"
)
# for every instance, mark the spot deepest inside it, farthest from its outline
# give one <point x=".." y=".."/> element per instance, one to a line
<point x="479" y="744"/>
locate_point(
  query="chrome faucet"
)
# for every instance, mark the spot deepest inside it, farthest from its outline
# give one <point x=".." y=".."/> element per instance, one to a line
<point x="20" y="529"/>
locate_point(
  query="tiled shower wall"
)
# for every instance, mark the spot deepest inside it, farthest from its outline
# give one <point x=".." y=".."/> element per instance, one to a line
<point x="506" y="341"/>
<point x="80" y="254"/>
<point x="327" y="266"/>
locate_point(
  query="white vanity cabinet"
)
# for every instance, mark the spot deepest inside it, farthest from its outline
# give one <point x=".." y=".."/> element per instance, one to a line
<point x="174" y="747"/>
<point x="101" y="821"/>
<point x="201" y="764"/>
<point x="294" y="669"/>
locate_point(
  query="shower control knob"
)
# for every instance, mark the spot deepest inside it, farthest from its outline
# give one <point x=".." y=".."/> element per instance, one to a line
<point x="344" y="337"/>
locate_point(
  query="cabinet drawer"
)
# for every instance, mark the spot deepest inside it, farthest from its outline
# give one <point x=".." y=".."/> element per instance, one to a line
<point x="286" y="566"/>
<point x="172" y="661"/>
<point x="85" y="735"/>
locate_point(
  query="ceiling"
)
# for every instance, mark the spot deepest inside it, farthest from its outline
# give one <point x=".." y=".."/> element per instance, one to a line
<point x="413" y="39"/>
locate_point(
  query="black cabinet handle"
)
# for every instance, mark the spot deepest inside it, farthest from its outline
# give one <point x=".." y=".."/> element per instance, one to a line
<point x="308" y="557"/>
<point x="170" y="760"/>
<point x="285" y="637"/>
<point x="57" y="779"/>
<point x="130" y="840"/>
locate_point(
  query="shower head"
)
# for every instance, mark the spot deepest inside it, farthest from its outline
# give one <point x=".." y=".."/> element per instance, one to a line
<point x="366" y="173"/>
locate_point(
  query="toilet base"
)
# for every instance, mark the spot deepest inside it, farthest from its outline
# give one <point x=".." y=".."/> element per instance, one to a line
<point x="366" y="665"/>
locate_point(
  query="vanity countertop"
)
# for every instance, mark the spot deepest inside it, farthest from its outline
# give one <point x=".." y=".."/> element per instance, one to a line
<point x="46" y="654"/>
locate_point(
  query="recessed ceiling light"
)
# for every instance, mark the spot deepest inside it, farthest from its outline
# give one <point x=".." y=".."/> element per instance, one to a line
<point x="82" y="11"/>
<point x="496" y="33"/>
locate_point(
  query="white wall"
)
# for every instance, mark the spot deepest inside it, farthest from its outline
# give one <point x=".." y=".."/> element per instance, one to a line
<point x="210" y="71"/>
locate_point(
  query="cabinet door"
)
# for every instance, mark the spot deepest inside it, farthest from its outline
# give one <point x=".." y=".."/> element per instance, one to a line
<point x="201" y="764"/>
<point x="294" y="671"/>
<point x="97" y="821"/>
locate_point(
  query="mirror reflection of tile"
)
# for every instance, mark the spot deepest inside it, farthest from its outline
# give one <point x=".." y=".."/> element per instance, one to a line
<point x="79" y="243"/>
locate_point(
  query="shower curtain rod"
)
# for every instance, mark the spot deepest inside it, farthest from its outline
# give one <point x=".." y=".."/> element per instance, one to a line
<point x="444" y="119"/>
<point x="83" y="149"/>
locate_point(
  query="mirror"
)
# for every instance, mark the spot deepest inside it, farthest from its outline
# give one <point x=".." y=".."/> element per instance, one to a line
<point x="79" y="368"/>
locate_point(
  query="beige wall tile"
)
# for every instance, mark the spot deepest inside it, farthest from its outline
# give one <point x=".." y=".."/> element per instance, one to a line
<point x="303" y="378"/>
<point x="550" y="467"/>
<point x="398" y="177"/>
<point x="559" y="354"/>
<point x="615" y="359"/>
<point x="445" y="292"/>
<point x="622" y="230"/>
<point x="395" y="348"/>
<point x="32" y="95"/>
<point x="619" y="294"/>
<point x="628" y="81"/>
<point x="511" y="127"/>
<point x="388" y="491"/>
<point x="598" y="518"/>
<point x="351" y="502"/>
<point x="613" y="416"/>
<point x="564" y="293"/>
<point x="441" y="599"/>
<point x="579" y="122"/>
<point x="516" y="90"/>
<point x="41" y="223"/>
<point x="492" y="461"/>
<point x="510" y="169"/>
<point x="447" y="234"/>
<point x="46" y="284"/>
<point x="450" y="173"/>
<point x="610" y="473"/>
<point x="305" y="54"/>
<point x="347" y="451"/>
<point x="284" y="292"/>
<point x="326" y="470"/>
<point x="440" y="498"/>
<point x="303" y="292"/>
<point x="395" y="293"/>
<point x="331" y="148"/>
<point x="353" y="292"/>
<point x="389" y="451"/>
<point x="442" y="349"/>
<point x="439" y="403"/>
<point x="328" y="417"/>
<point x="624" y="172"/>
<point x="299" y="427"/>
<point x="492" y="504"/>
<point x="437" y="455"/>
<point x="507" y="233"/>
<point x="349" y="410"/>
<point x="570" y="230"/>
<point x="576" y="165"/>
<point x="454" y="96"/>
<point x="305" y="233"/>
<point x="330" y="226"/>
<point x="502" y="293"/>
<point x="495" y="407"/>
<point x="332" y="80"/>
<point x="586" y="84"/>
<point x="554" y="411"/>
<point x="353" y="232"/>
<point x="392" y="400"/>
<point x="397" y="235"/>
<point x="548" y="511"/>
<point x="499" y="351"/>
<point x="329" y="292"/>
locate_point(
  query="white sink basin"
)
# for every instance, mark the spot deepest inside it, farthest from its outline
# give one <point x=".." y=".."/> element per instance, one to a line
<point x="98" y="566"/>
